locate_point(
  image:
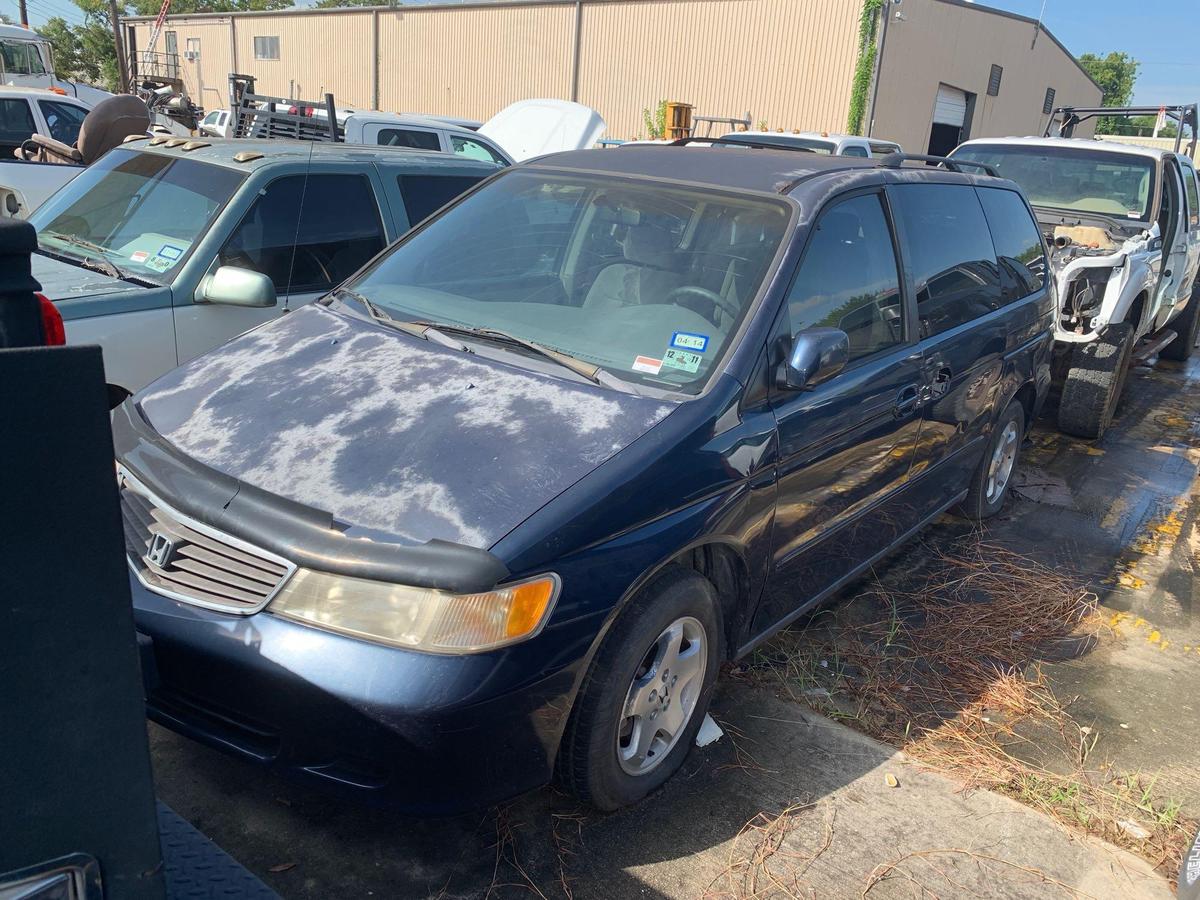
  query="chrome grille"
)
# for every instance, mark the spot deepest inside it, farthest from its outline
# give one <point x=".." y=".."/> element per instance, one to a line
<point x="197" y="563"/>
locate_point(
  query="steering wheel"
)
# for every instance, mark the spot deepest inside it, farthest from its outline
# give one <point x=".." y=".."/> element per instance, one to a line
<point x="712" y="298"/>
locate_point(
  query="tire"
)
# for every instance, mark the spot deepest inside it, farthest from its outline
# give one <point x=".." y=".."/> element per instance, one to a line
<point x="598" y="734"/>
<point x="993" y="477"/>
<point x="1186" y="326"/>
<point x="1094" y="382"/>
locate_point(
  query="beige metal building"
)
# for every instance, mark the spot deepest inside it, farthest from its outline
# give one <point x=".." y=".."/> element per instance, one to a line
<point x="788" y="64"/>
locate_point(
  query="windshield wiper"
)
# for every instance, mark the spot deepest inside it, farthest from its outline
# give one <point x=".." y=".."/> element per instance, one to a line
<point x="592" y="373"/>
<point x="99" y="260"/>
<point x="435" y="331"/>
<point x="424" y="330"/>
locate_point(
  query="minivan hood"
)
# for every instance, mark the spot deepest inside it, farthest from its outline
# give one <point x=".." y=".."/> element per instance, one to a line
<point x="530" y="128"/>
<point x="398" y="439"/>
<point x="64" y="281"/>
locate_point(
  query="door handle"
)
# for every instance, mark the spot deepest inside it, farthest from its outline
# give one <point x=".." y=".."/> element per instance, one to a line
<point x="906" y="401"/>
<point x="941" y="382"/>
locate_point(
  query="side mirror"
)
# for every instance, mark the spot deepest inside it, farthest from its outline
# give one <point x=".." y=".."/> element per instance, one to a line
<point x="817" y="355"/>
<point x="232" y="286"/>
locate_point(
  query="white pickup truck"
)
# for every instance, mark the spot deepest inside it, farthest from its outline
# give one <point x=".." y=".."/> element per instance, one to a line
<point x="24" y="112"/>
<point x="1123" y="223"/>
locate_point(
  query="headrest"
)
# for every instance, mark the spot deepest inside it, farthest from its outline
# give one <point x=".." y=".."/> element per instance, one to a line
<point x="648" y="244"/>
<point x="109" y="123"/>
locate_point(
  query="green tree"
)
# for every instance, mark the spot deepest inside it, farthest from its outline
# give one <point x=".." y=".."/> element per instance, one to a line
<point x="1116" y="74"/>
<point x="332" y="4"/>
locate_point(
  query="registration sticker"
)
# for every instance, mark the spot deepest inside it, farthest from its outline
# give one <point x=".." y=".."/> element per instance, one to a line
<point x="170" y="251"/>
<point x="138" y="256"/>
<point x="647" y="364"/>
<point x="158" y="264"/>
<point x="682" y="359"/>
<point x="687" y="341"/>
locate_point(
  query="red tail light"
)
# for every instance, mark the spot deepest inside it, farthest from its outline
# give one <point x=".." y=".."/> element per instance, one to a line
<point x="52" y="322"/>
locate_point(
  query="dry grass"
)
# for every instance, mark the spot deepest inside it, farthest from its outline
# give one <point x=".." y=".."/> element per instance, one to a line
<point x="760" y="865"/>
<point x="942" y="661"/>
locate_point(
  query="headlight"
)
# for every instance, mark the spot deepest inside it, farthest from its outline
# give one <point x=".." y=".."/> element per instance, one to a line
<point x="420" y="618"/>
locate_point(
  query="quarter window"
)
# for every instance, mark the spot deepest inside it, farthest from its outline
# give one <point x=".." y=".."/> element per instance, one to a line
<point x="950" y="251"/>
<point x="849" y="279"/>
<point x="63" y="120"/>
<point x="855" y="150"/>
<point x="310" y="247"/>
<point x="1017" y="242"/>
<point x="266" y="47"/>
<point x="406" y="137"/>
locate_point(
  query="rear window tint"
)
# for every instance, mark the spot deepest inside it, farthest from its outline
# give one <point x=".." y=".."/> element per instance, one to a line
<point x="424" y="195"/>
<point x="1017" y="241"/>
<point x="404" y="137"/>
<point x="950" y="251"/>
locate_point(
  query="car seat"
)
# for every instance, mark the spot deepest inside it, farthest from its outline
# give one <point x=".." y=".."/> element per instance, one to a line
<point x="109" y="124"/>
<point x="646" y="276"/>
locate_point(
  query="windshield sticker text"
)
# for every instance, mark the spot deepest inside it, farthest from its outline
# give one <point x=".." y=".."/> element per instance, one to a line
<point x="158" y="264"/>
<point x="169" y="251"/>
<point x="682" y="359"/>
<point x="647" y="364"/>
<point x="688" y="341"/>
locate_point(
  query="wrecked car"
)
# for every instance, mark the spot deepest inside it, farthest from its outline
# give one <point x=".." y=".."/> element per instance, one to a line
<point x="1124" y="222"/>
<point x="498" y="507"/>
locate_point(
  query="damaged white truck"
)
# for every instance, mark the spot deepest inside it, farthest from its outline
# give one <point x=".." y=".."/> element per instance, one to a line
<point x="1123" y="222"/>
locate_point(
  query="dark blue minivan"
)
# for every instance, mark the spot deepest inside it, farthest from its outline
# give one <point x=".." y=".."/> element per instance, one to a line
<point x="498" y="508"/>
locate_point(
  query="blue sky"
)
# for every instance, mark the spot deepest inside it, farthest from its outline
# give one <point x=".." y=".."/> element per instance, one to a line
<point x="1164" y="35"/>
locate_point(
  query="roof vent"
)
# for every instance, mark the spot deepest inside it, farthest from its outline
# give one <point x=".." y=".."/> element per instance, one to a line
<point x="154" y="142"/>
<point x="247" y="156"/>
<point x="175" y="142"/>
<point x="195" y="145"/>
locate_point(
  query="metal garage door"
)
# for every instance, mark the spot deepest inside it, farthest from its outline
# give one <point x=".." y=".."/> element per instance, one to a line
<point x="950" y="108"/>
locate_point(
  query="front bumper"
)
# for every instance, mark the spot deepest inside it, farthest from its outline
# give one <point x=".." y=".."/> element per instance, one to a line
<point x="426" y="733"/>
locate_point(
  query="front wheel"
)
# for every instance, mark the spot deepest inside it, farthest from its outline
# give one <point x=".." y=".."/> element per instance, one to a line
<point x="646" y="693"/>
<point x="1094" y="382"/>
<point x="993" y="477"/>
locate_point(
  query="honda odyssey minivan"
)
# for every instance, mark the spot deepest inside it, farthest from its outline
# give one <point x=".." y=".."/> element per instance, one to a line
<point x="498" y="507"/>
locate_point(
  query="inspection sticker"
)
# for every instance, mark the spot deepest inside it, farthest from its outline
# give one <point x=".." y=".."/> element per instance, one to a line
<point x="138" y="256"/>
<point x="169" y="251"/>
<point x="647" y="364"/>
<point x="158" y="264"/>
<point x="688" y="341"/>
<point x="682" y="359"/>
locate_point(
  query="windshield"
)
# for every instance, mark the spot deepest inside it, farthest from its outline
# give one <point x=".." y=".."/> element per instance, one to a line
<point x="784" y="140"/>
<point x="21" y="58"/>
<point x="1074" y="178"/>
<point x="142" y="211"/>
<point x="644" y="280"/>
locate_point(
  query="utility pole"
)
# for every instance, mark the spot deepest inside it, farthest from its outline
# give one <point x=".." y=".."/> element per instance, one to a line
<point x="24" y="13"/>
<point x="122" y="74"/>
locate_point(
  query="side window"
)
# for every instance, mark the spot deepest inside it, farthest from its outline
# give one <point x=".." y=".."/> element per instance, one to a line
<point x="472" y="149"/>
<point x="211" y="118"/>
<point x="950" y="251"/>
<point x="309" y="248"/>
<point x="1193" y="195"/>
<point x="63" y="119"/>
<point x="16" y="123"/>
<point x="855" y="150"/>
<point x="407" y="137"/>
<point x="21" y="58"/>
<point x="424" y="195"/>
<point x="1017" y="242"/>
<point x="849" y="279"/>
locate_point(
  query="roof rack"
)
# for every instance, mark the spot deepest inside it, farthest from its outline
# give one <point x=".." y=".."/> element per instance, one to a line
<point x="756" y="145"/>
<point x="1181" y="113"/>
<point x="893" y="161"/>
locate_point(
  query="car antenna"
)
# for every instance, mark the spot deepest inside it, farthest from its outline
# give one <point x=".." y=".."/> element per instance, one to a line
<point x="287" y="295"/>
